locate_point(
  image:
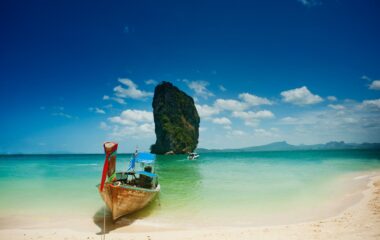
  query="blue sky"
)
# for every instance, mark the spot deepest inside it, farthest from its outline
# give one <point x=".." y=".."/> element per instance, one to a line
<point x="77" y="73"/>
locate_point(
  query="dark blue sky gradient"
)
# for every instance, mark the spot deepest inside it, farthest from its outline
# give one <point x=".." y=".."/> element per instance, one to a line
<point x="71" y="53"/>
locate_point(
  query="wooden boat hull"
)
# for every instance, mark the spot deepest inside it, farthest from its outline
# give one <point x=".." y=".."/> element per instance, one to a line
<point x="123" y="200"/>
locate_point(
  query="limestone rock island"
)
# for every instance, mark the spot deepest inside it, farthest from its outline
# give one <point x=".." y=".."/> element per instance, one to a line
<point x="176" y="120"/>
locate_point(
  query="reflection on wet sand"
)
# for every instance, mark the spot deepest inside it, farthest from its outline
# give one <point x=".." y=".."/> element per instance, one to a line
<point x="103" y="217"/>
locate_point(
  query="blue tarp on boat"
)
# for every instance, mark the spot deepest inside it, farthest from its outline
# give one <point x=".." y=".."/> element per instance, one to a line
<point x="149" y="174"/>
<point x="142" y="157"/>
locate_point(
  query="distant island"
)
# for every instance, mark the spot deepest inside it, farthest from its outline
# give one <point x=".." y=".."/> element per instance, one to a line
<point x="284" y="146"/>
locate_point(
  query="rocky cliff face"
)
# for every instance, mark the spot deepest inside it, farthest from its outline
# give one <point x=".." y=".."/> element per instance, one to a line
<point x="176" y="120"/>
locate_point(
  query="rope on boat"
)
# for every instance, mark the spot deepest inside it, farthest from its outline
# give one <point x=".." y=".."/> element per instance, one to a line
<point x="104" y="223"/>
<point x="159" y="200"/>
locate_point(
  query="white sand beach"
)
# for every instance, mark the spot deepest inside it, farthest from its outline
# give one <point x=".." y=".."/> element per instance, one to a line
<point x="360" y="219"/>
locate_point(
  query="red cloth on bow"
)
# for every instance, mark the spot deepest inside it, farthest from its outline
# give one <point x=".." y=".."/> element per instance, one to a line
<point x="106" y="162"/>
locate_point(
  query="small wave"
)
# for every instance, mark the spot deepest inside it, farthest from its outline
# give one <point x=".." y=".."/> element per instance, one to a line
<point x="56" y="166"/>
<point x="361" y="177"/>
<point x="86" y="164"/>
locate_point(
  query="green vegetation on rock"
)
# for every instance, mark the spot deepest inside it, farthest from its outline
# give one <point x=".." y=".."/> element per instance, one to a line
<point x="176" y="120"/>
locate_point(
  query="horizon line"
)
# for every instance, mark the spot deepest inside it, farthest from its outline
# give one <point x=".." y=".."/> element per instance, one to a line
<point x="101" y="153"/>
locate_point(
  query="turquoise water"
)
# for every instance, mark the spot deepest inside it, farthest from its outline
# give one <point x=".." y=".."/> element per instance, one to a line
<point x="216" y="186"/>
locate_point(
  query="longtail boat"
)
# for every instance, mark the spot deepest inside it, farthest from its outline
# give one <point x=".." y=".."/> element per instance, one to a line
<point x="129" y="191"/>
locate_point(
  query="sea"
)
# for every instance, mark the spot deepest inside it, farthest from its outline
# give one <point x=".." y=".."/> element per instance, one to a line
<point x="246" y="188"/>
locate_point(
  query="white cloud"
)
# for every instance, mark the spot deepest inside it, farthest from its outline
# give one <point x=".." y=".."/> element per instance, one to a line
<point x="358" y="122"/>
<point x="119" y="100"/>
<point x="300" y="96"/>
<point x="366" y="78"/>
<point x="257" y="115"/>
<point x="145" y="130"/>
<point x="202" y="129"/>
<point x="237" y="133"/>
<point x="151" y="82"/>
<point x="62" y="114"/>
<point x="222" y="121"/>
<point x="264" y="114"/>
<point x="375" y="85"/>
<point x="133" y="117"/>
<point x="206" y="111"/>
<point x="253" y="118"/>
<point x="199" y="88"/>
<point x="131" y="123"/>
<point x="59" y="108"/>
<point x="131" y="92"/>
<point x="289" y="120"/>
<point x="108" y="106"/>
<point x="337" y="106"/>
<point x="310" y="3"/>
<point x="254" y="100"/>
<point x="104" y="126"/>
<point x="97" y="110"/>
<point x="332" y="98"/>
<point x="222" y="88"/>
<point x="248" y="100"/>
<point x="350" y="120"/>
<point x="260" y="132"/>
<point x="100" y="111"/>
<point x="230" y="104"/>
<point x="372" y="104"/>
<point x="116" y="99"/>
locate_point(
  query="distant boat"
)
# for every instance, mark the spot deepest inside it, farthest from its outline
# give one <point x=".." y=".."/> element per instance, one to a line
<point x="129" y="191"/>
<point x="193" y="156"/>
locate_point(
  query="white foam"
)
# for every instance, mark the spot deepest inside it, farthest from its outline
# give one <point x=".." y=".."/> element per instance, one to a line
<point x="361" y="177"/>
<point x="86" y="164"/>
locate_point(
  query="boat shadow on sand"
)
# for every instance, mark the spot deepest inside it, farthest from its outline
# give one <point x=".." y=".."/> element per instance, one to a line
<point x="124" y="221"/>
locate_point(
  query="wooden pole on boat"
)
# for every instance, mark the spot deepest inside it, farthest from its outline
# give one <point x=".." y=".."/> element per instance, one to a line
<point x="110" y="149"/>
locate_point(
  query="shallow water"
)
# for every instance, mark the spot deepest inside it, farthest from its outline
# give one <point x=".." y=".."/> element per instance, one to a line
<point x="236" y="186"/>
